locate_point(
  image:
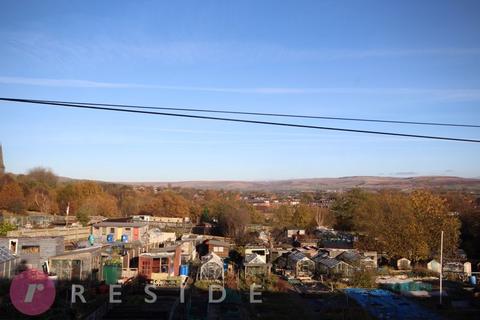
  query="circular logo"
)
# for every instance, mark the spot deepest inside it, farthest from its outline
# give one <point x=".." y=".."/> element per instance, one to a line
<point x="32" y="292"/>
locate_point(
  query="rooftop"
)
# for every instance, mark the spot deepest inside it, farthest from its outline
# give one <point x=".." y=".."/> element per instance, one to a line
<point x="120" y="224"/>
<point x="165" y="249"/>
<point x="328" y="262"/>
<point x="27" y="237"/>
<point x="297" y="256"/>
<point x="350" y="256"/>
<point x="218" y="243"/>
<point x="79" y="251"/>
<point x="212" y="257"/>
<point x="254" y="259"/>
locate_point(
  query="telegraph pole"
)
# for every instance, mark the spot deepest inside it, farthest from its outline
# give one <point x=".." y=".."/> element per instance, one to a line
<point x="441" y="267"/>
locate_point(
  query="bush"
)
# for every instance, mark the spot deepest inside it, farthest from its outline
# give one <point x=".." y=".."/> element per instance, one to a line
<point x="5" y="227"/>
<point x="114" y="261"/>
<point x="364" y="279"/>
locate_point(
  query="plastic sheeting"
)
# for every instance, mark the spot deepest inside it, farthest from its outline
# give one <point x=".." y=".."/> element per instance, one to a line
<point x="383" y="304"/>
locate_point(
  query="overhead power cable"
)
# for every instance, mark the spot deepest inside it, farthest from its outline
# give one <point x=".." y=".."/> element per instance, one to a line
<point x="282" y="124"/>
<point x="284" y="115"/>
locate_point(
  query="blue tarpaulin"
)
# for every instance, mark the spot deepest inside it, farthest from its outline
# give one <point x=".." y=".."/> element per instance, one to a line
<point x="383" y="304"/>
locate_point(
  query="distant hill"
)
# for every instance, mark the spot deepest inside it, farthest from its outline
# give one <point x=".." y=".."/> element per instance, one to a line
<point x="332" y="184"/>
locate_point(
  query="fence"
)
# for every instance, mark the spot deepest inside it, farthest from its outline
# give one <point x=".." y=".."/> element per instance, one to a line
<point x="70" y="234"/>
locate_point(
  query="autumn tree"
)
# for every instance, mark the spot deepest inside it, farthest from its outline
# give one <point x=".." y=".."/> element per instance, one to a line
<point x="344" y="206"/>
<point x="42" y="199"/>
<point x="72" y="194"/>
<point x="256" y="217"/>
<point x="465" y="205"/>
<point x="12" y="197"/>
<point x="196" y="210"/>
<point x="131" y="204"/>
<point x="303" y="217"/>
<point x="404" y="225"/>
<point x="233" y="217"/>
<point x="43" y="176"/>
<point x="166" y="204"/>
<point x="470" y="231"/>
<point x="229" y="220"/>
<point x="211" y="195"/>
<point x="101" y="204"/>
<point x="433" y="216"/>
<point x="323" y="216"/>
<point x="39" y="188"/>
<point x="67" y="196"/>
<point x="283" y="216"/>
<point x="386" y="223"/>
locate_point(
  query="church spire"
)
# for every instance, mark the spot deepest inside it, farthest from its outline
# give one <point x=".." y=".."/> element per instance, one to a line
<point x="2" y="165"/>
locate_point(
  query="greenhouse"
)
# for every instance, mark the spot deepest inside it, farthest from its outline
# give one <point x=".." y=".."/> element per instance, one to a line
<point x="301" y="265"/>
<point x="211" y="268"/>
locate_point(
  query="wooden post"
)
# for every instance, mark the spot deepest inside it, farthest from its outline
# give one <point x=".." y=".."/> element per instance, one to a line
<point x="441" y="267"/>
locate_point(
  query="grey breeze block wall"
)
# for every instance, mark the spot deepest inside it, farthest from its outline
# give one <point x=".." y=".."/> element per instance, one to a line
<point x="48" y="247"/>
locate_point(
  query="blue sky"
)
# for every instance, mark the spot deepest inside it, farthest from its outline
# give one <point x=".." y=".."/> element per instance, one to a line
<point x="405" y="60"/>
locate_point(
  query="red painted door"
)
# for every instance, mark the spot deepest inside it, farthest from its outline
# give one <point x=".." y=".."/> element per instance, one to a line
<point x="145" y="267"/>
<point x="135" y="233"/>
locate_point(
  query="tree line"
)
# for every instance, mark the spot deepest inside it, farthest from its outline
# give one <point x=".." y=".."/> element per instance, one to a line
<point x="397" y="223"/>
<point x="401" y="224"/>
<point x="41" y="190"/>
<point x="409" y="224"/>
